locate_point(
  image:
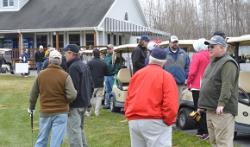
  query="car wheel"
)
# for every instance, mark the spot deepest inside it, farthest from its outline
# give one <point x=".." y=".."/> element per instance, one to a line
<point x="183" y="120"/>
<point x="113" y="108"/>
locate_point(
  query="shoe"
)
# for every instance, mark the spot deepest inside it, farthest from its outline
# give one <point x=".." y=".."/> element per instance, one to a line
<point x="198" y="135"/>
<point x="105" y="107"/>
<point x="205" y="137"/>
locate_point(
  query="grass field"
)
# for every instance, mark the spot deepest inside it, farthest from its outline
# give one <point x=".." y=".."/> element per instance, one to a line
<point x="104" y="131"/>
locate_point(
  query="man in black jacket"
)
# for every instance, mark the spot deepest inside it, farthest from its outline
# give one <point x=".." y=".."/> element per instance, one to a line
<point x="39" y="58"/>
<point x="98" y="70"/>
<point x="82" y="81"/>
<point x="139" y="54"/>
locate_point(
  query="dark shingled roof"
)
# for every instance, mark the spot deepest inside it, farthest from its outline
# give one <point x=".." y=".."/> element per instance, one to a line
<point x="40" y="14"/>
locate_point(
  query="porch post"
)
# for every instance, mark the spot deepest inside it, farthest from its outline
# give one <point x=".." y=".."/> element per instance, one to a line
<point x="20" y="43"/>
<point x="57" y="40"/>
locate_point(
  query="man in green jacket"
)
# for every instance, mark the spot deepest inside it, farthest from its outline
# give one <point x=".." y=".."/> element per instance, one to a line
<point x="219" y="93"/>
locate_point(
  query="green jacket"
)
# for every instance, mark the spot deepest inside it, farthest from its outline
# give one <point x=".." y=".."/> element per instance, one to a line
<point x="220" y="85"/>
<point x="108" y="61"/>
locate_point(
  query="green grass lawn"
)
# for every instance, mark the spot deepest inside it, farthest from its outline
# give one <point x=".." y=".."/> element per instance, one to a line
<point x="104" y="131"/>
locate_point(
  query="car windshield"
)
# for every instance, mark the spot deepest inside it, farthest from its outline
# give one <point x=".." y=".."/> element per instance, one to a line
<point x="244" y="54"/>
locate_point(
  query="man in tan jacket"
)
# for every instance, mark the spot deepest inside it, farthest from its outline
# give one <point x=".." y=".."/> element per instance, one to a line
<point x="56" y="90"/>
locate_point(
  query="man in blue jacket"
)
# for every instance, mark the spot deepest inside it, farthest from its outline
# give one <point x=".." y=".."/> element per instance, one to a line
<point x="177" y="63"/>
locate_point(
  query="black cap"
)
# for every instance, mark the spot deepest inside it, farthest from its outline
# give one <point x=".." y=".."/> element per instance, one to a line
<point x="72" y="47"/>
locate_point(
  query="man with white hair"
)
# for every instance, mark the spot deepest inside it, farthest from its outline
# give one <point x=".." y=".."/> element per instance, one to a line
<point x="39" y="58"/>
<point x="152" y="104"/>
<point x="56" y="90"/>
<point x="219" y="93"/>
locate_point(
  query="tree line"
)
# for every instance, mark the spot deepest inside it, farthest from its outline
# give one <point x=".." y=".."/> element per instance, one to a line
<point x="192" y="19"/>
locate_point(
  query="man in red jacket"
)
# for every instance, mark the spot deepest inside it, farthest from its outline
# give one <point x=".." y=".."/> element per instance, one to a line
<point x="152" y="104"/>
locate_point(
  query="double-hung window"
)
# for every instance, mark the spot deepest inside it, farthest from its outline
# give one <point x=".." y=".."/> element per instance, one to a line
<point x="8" y="3"/>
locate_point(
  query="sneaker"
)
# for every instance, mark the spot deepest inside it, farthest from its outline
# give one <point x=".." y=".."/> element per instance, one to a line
<point x="205" y="137"/>
<point x="198" y="135"/>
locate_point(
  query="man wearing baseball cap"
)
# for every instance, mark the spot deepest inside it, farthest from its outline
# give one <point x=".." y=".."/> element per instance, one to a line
<point x="152" y="104"/>
<point x="177" y="63"/>
<point x="219" y="93"/>
<point x="139" y="54"/>
<point x="56" y="90"/>
<point x="83" y="83"/>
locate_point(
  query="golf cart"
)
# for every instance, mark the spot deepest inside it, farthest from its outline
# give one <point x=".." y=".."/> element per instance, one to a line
<point x="187" y="45"/>
<point x="6" y="56"/>
<point x="86" y="55"/>
<point x="121" y="80"/>
<point x="241" y="47"/>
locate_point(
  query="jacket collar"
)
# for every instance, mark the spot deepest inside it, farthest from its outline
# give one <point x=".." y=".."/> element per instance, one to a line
<point x="54" y="66"/>
<point x="72" y="61"/>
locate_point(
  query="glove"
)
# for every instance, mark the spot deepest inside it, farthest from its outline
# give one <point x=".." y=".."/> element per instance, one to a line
<point x="30" y="111"/>
<point x="195" y="116"/>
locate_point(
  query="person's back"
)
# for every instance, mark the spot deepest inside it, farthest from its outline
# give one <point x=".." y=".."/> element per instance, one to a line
<point x="52" y="91"/>
<point x="151" y="104"/>
<point x="98" y="70"/>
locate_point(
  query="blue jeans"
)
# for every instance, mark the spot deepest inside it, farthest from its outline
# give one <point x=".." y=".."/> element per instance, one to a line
<point x="57" y="125"/>
<point x="75" y="128"/>
<point x="39" y="66"/>
<point x="109" y="81"/>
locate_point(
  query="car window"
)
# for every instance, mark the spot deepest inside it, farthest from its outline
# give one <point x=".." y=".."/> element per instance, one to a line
<point x="244" y="54"/>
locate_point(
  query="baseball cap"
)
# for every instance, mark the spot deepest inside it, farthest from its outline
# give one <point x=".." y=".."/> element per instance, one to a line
<point x="72" y="47"/>
<point x="55" y="54"/>
<point x="159" y="54"/>
<point x="110" y="46"/>
<point x="220" y="33"/>
<point x="145" y="38"/>
<point x="215" y="40"/>
<point x="173" y="38"/>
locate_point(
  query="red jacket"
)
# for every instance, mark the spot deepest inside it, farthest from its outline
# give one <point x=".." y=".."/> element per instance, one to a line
<point x="152" y="94"/>
<point x="197" y="67"/>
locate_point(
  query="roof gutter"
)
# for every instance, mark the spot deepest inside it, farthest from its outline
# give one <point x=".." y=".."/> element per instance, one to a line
<point x="49" y="30"/>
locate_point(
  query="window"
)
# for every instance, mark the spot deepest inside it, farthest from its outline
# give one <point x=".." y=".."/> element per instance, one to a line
<point x="120" y="40"/>
<point x="41" y="39"/>
<point x="114" y="39"/>
<point x="89" y="39"/>
<point x="8" y="3"/>
<point x="61" y="41"/>
<point x="74" y="39"/>
<point x="109" y="39"/>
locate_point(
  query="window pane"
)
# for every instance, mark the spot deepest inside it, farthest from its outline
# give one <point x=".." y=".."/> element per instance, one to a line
<point x="5" y="3"/>
<point x="11" y="2"/>
<point x="41" y="40"/>
<point x="89" y="39"/>
<point x="74" y="39"/>
<point x="114" y="39"/>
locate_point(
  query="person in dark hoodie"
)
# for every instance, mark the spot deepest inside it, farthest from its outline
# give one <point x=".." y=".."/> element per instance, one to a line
<point x="98" y="70"/>
<point x="139" y="54"/>
<point x="82" y="81"/>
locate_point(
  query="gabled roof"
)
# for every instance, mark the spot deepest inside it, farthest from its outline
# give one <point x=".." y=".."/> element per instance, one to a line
<point x="41" y="14"/>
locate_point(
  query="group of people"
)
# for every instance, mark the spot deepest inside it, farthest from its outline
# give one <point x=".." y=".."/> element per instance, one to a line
<point x="66" y="93"/>
<point x="155" y="90"/>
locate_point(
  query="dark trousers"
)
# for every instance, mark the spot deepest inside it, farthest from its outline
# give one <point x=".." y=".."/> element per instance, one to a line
<point x="202" y="125"/>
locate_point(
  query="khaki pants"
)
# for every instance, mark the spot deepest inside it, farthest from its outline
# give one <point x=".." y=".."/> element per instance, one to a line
<point x="180" y="89"/>
<point x="220" y="129"/>
<point x="150" y="133"/>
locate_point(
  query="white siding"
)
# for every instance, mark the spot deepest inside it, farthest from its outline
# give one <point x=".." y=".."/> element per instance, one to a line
<point x="22" y="3"/>
<point x="120" y="7"/>
<point x="18" y="4"/>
